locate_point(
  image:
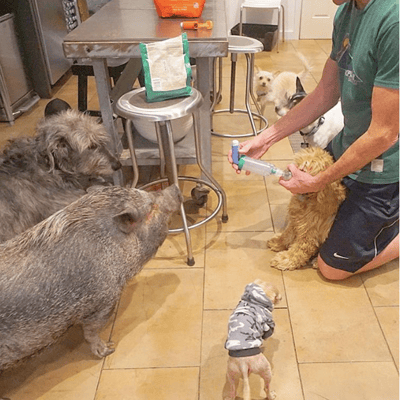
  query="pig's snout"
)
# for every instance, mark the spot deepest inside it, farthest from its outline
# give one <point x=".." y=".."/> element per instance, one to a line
<point x="171" y="199"/>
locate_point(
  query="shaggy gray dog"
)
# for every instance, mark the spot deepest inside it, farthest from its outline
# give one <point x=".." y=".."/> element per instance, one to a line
<point x="40" y="175"/>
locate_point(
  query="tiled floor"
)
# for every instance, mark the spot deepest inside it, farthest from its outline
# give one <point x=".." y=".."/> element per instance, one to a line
<point x="336" y="341"/>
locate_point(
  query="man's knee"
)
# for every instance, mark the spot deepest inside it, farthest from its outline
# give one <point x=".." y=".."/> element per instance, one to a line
<point x="332" y="273"/>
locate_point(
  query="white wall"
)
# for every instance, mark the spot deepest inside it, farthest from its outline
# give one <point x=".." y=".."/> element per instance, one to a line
<point x="257" y="16"/>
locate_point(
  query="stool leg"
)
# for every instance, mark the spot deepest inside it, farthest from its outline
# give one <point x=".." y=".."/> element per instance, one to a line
<point x="241" y="21"/>
<point x="279" y="28"/>
<point x="255" y="102"/>
<point x="161" y="149"/>
<point x="250" y="62"/>
<point x="135" y="167"/>
<point x="233" y="78"/>
<point x="172" y="175"/>
<point x="283" y="23"/>
<point x="206" y="173"/>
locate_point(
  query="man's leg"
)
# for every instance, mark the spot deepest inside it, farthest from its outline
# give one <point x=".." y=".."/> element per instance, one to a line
<point x="389" y="253"/>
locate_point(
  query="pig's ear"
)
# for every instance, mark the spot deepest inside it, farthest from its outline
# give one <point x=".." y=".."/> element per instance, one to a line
<point x="127" y="219"/>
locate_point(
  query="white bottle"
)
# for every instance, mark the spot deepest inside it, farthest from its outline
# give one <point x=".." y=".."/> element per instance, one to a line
<point x="263" y="168"/>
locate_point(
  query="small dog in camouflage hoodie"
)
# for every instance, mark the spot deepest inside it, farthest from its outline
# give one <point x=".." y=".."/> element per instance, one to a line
<point x="249" y="324"/>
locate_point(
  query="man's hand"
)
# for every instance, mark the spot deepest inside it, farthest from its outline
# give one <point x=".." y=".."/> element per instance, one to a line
<point x="301" y="182"/>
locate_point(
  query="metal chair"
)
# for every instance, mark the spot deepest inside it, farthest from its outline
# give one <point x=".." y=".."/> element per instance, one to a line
<point x="265" y="4"/>
<point x="133" y="106"/>
<point x="247" y="46"/>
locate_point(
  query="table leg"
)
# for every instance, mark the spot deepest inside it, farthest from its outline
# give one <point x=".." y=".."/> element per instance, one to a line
<point x="103" y="92"/>
<point x="204" y="75"/>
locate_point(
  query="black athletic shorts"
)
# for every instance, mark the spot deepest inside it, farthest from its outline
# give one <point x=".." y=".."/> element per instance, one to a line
<point x="367" y="221"/>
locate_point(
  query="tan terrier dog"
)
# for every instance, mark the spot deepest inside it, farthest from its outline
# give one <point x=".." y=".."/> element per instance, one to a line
<point x="310" y="216"/>
<point x="249" y="324"/>
<point x="262" y="84"/>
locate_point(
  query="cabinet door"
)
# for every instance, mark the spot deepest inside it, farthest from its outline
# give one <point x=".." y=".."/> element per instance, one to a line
<point x="317" y="19"/>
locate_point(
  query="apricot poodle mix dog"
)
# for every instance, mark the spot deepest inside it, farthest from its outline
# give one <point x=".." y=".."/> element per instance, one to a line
<point x="310" y="216"/>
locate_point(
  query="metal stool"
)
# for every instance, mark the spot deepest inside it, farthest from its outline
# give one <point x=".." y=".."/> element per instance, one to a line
<point x="132" y="106"/>
<point x="248" y="47"/>
<point x="265" y="4"/>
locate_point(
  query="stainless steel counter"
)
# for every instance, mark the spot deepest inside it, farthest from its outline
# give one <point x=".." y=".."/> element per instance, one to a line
<point x="116" y="30"/>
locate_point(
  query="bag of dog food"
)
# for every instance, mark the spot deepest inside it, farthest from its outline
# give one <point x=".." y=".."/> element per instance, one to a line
<point x="179" y="8"/>
<point x="167" y="70"/>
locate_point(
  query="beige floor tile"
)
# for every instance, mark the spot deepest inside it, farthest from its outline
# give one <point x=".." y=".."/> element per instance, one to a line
<point x="281" y="354"/>
<point x="279" y="214"/>
<point x="237" y="259"/>
<point x="382" y="284"/>
<point x="65" y="371"/>
<point x="158" y="321"/>
<point x="173" y="252"/>
<point x="388" y="318"/>
<point x="245" y="217"/>
<point x="325" y="45"/>
<point x="149" y="384"/>
<point x="333" y="321"/>
<point x="350" y="381"/>
<point x="279" y="151"/>
<point x="214" y="357"/>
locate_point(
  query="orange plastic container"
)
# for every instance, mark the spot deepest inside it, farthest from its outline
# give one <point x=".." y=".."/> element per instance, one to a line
<point x="179" y="8"/>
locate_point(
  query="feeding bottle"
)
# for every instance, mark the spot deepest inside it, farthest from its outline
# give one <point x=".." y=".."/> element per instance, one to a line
<point x="259" y="167"/>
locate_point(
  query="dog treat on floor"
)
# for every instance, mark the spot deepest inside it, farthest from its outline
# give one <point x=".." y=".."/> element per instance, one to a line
<point x="310" y="216"/>
<point x="249" y="324"/>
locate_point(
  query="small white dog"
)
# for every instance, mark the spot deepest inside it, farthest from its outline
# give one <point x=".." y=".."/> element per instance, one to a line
<point x="262" y="85"/>
<point x="249" y="324"/>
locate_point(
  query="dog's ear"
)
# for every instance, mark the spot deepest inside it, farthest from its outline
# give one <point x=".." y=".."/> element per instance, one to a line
<point x="257" y="69"/>
<point x="59" y="153"/>
<point x="299" y="86"/>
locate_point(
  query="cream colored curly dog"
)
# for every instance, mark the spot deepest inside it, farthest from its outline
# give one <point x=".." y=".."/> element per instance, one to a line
<point x="310" y="216"/>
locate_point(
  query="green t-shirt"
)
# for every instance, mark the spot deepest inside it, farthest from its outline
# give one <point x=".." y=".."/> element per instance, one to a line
<point x="366" y="49"/>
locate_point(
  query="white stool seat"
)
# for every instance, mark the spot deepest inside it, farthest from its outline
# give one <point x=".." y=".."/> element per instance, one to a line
<point x="262" y="3"/>
<point x="244" y="44"/>
<point x="133" y="105"/>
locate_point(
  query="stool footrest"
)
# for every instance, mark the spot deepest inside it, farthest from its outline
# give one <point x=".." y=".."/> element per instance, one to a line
<point x="227" y="135"/>
<point x="196" y="180"/>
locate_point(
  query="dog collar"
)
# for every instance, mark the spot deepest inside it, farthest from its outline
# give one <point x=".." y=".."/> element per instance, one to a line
<point x="312" y="132"/>
<point x="259" y="94"/>
<point x="315" y="129"/>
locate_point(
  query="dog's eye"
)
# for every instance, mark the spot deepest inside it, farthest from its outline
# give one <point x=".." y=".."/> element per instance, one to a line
<point x="269" y="79"/>
<point x="92" y="147"/>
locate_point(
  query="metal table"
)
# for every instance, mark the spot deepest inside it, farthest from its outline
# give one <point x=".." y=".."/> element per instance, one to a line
<point x="116" y="30"/>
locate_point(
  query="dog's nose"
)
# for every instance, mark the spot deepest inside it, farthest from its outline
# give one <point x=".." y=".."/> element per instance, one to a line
<point x="116" y="165"/>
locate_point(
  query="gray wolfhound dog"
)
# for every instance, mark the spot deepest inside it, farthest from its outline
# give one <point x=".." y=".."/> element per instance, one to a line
<point x="40" y="175"/>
